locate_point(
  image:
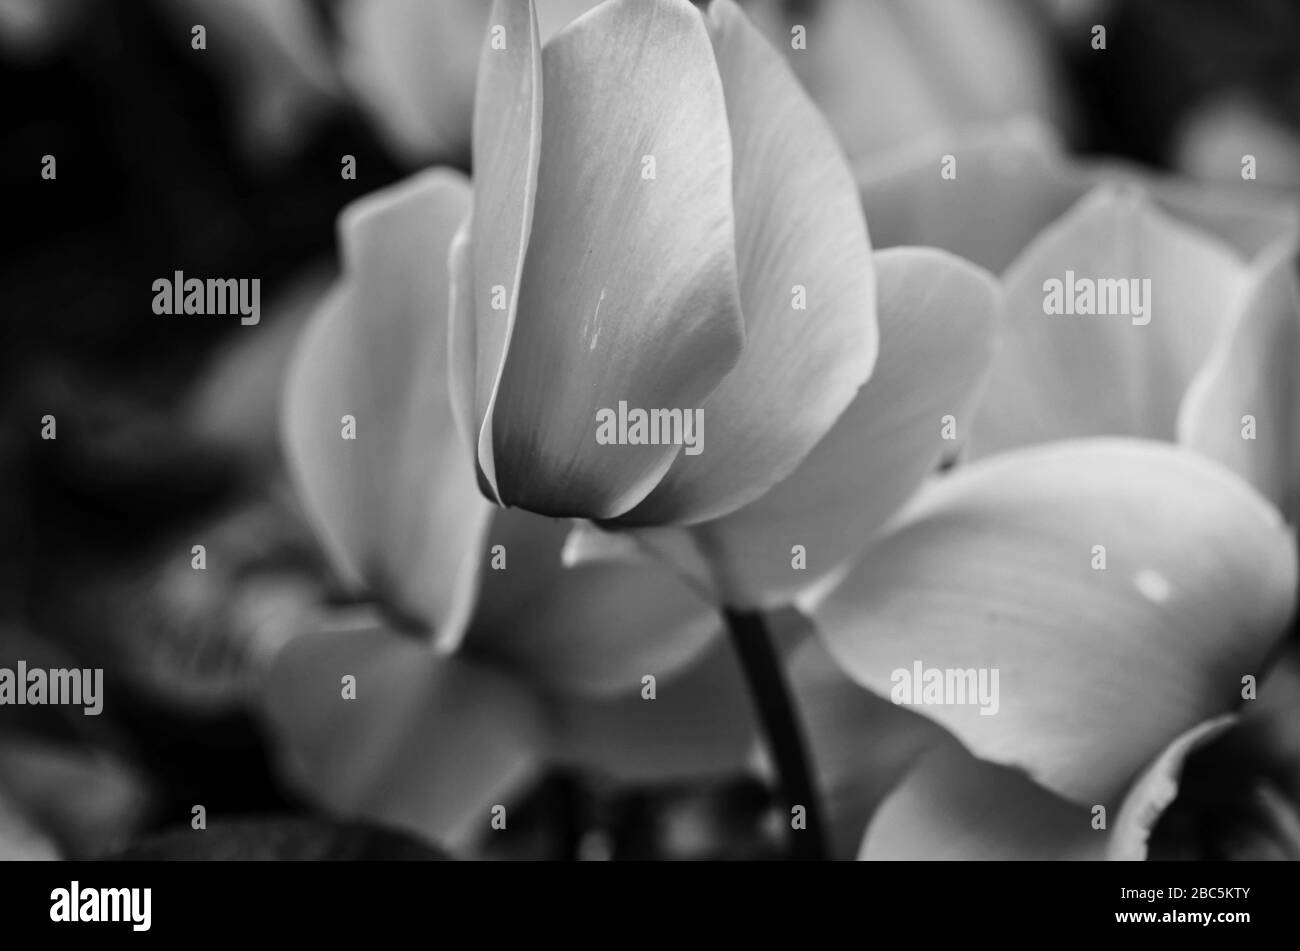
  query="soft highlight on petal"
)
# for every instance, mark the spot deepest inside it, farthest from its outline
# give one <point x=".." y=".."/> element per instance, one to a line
<point x="396" y="506"/>
<point x="629" y="287"/>
<point x="997" y="568"/>
<point x="807" y="288"/>
<point x="462" y="337"/>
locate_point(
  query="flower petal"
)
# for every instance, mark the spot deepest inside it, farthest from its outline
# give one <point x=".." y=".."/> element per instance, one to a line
<point x="992" y="569"/>
<point x="629" y="290"/>
<point x="87" y="800"/>
<point x="1249" y="382"/>
<point x="1155" y="789"/>
<point x="235" y="403"/>
<point x="699" y="724"/>
<point x="860" y="744"/>
<point x="396" y="506"/>
<point x="937" y="316"/>
<point x="411" y="66"/>
<point x="807" y="288"/>
<point x="1010" y="182"/>
<point x="507" y="145"/>
<point x="943" y="62"/>
<point x="1059" y="375"/>
<point x="1227" y="789"/>
<point x="955" y="807"/>
<point x="428" y="745"/>
<point x="1243" y="215"/>
<point x="595" y="629"/>
<point x="412" y="63"/>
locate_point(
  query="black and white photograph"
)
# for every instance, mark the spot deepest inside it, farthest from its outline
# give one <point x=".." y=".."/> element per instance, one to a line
<point x="649" y="431"/>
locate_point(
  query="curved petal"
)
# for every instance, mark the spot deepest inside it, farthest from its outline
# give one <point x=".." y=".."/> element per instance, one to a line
<point x="1085" y="672"/>
<point x="595" y="629"/>
<point x="396" y="506"/>
<point x="807" y="289"/>
<point x="699" y="725"/>
<point x="507" y="146"/>
<point x="955" y="807"/>
<point x="429" y="744"/>
<point x="860" y="744"/>
<point x="1243" y="408"/>
<point x="1011" y="181"/>
<point x="629" y="290"/>
<point x="1229" y="788"/>
<point x="1155" y="789"/>
<point x="937" y="322"/>
<point x="1060" y="374"/>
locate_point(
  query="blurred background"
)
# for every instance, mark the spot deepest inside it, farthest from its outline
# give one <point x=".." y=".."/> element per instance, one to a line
<point x="226" y="160"/>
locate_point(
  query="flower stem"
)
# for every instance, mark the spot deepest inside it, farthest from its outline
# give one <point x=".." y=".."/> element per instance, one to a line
<point x="772" y="699"/>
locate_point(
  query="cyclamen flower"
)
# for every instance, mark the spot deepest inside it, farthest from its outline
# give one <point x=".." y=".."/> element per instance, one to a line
<point x="381" y="355"/>
<point x="680" y="264"/>
<point x="706" y="254"/>
<point x="1105" y="656"/>
<point x="1213" y="256"/>
<point x="558" y="654"/>
<point x="1182" y="554"/>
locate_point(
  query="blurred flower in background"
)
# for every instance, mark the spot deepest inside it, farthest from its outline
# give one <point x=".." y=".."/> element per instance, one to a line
<point x="889" y="72"/>
<point x="1022" y="207"/>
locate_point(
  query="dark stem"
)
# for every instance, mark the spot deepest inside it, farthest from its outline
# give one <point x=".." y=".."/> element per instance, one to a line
<point x="771" y="696"/>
